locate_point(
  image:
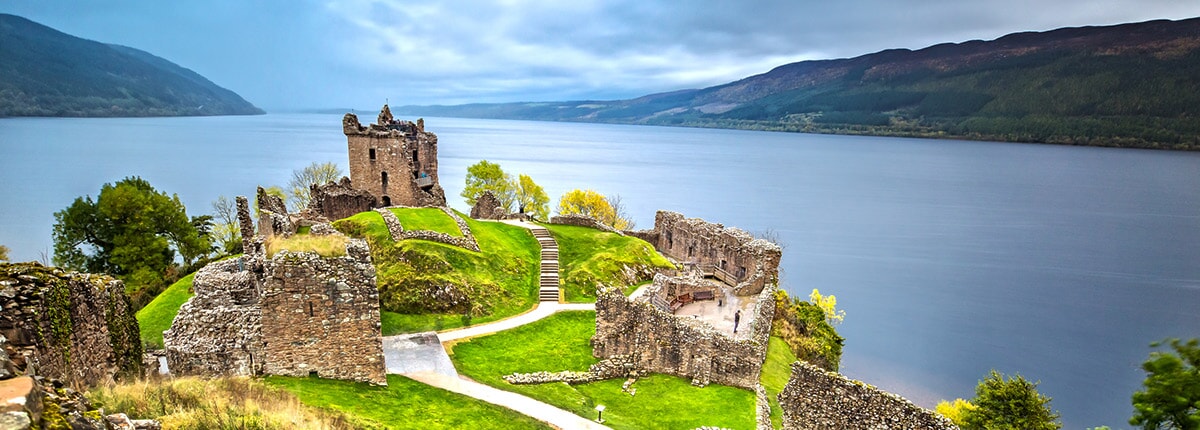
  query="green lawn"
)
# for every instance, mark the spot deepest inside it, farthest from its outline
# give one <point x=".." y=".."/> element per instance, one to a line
<point x="562" y="342"/>
<point x="158" y="315"/>
<point x="403" y="404"/>
<point x="588" y="257"/>
<point x="775" y="374"/>
<point x="433" y="219"/>
<point x="495" y="283"/>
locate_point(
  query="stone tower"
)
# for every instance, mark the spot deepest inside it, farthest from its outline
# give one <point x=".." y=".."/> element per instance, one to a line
<point x="394" y="160"/>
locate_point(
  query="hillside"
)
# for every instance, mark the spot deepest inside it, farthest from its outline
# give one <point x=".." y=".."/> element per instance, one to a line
<point x="45" y="72"/>
<point x="1130" y="85"/>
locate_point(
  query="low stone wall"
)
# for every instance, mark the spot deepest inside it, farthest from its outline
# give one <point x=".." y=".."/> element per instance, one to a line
<point x="76" y="327"/>
<point x="762" y="409"/>
<point x="583" y="221"/>
<point x="219" y="330"/>
<point x="336" y="303"/>
<point x="814" y="399"/>
<point x="398" y="232"/>
<point x="658" y="341"/>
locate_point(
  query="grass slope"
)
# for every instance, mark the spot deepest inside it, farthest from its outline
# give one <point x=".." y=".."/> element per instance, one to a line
<point x="562" y="342"/>
<point x="474" y="287"/>
<point x="588" y="257"/>
<point x="403" y="404"/>
<point x="775" y="374"/>
<point x="427" y="219"/>
<point x="158" y="315"/>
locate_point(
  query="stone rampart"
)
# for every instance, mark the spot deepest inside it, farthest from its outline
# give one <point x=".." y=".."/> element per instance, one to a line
<point x="747" y="263"/>
<point x="76" y="327"/>
<point x="658" y="341"/>
<point x="583" y="221"/>
<point x="337" y="200"/>
<point x="336" y="303"/>
<point x="814" y="399"/>
<point x="219" y="330"/>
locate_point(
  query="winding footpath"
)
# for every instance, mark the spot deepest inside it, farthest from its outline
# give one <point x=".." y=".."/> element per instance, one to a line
<point x="413" y="355"/>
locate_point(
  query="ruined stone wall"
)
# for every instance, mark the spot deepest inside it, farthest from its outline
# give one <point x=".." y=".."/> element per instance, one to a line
<point x="658" y="341"/>
<point x="76" y="327"/>
<point x="486" y="207"/>
<point x="401" y="149"/>
<point x="322" y="315"/>
<point x="753" y="262"/>
<point x="668" y="288"/>
<point x="398" y="233"/>
<point x="583" y="221"/>
<point x="219" y="330"/>
<point x="273" y="219"/>
<point x="814" y="399"/>
<point x="337" y="200"/>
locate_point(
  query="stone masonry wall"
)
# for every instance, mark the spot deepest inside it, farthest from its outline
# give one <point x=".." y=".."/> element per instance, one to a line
<point x="583" y="221"/>
<point x="273" y="219"/>
<point x="337" y="200"/>
<point x="402" y="150"/>
<point x="658" y="341"/>
<point x="814" y="399"/>
<point x="219" y="330"/>
<point x="322" y="315"/>
<point x="754" y="262"/>
<point x="76" y="327"/>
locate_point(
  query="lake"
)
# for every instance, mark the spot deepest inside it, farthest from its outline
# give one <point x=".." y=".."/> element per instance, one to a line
<point x="950" y="258"/>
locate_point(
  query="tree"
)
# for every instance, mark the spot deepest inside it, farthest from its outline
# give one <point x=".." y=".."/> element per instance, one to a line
<point x="592" y="204"/>
<point x="532" y="198"/>
<point x="316" y="173"/>
<point x="488" y="176"/>
<point x="1009" y="404"/>
<point x="618" y="206"/>
<point x="131" y="231"/>
<point x="1171" y="398"/>
<point x="3" y="253"/>
<point x="227" y="232"/>
<point x="828" y="305"/>
<point x="955" y="411"/>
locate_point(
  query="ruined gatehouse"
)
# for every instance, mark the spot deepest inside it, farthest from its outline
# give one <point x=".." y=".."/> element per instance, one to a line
<point x="296" y="313"/>
<point x="394" y="160"/>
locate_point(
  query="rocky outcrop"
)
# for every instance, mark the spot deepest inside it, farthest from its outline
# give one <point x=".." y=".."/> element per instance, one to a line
<point x="337" y="200"/>
<point x="815" y="399"/>
<point x="75" y="327"/>
<point x="487" y="206"/>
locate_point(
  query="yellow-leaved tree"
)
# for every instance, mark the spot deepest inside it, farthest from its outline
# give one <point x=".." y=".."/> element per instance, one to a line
<point x="828" y="304"/>
<point x="956" y="411"/>
<point x="592" y="204"/>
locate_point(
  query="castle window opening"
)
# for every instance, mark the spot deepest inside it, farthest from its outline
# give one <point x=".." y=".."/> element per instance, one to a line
<point x="310" y="309"/>
<point x="387" y="201"/>
<point x="415" y="162"/>
<point x="372" y="153"/>
<point x="383" y="178"/>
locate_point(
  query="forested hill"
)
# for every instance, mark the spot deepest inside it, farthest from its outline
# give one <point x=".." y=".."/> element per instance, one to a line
<point x="1130" y="85"/>
<point x="45" y="72"/>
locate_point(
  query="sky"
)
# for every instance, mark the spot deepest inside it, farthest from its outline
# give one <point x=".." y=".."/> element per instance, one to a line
<point x="302" y="54"/>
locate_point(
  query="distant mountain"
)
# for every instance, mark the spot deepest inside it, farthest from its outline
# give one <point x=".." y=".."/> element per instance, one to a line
<point x="45" y="72"/>
<point x="1130" y="85"/>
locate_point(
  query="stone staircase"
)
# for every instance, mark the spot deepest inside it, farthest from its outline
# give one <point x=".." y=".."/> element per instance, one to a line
<point x="548" y="290"/>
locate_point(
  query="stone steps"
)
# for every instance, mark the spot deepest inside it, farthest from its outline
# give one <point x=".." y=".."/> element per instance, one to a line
<point x="548" y="282"/>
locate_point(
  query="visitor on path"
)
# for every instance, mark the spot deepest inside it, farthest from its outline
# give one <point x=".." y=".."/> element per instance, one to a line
<point x="737" y="317"/>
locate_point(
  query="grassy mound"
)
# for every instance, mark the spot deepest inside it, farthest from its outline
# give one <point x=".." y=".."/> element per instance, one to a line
<point x="432" y="286"/>
<point x="326" y="246"/>
<point x="404" y="403"/>
<point x="433" y="219"/>
<point x="775" y="374"/>
<point x="561" y="342"/>
<point x="158" y="315"/>
<point x="588" y="257"/>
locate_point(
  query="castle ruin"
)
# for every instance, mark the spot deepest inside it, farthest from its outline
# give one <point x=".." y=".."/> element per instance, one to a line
<point x="394" y="160"/>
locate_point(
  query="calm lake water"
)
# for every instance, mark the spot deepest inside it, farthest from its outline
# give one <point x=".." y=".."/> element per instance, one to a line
<point x="950" y="258"/>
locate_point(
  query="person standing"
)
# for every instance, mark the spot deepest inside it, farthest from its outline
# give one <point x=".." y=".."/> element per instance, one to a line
<point x="737" y="317"/>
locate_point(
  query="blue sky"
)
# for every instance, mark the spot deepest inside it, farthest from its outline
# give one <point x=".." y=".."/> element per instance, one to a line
<point x="355" y="53"/>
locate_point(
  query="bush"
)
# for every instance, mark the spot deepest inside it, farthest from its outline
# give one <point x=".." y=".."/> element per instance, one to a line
<point x="1009" y="403"/>
<point x="803" y="326"/>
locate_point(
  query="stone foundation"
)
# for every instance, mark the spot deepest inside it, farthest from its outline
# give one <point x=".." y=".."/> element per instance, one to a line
<point x="814" y="399"/>
<point x="75" y="327"/>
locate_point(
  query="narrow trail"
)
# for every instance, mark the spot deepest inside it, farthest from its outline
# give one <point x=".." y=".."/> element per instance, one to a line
<point x="410" y="355"/>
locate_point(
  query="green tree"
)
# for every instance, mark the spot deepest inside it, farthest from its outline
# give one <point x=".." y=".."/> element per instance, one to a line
<point x="592" y="204"/>
<point x="1009" y="404"/>
<point x="316" y="173"/>
<point x="131" y="231"/>
<point x="532" y="197"/>
<point x="488" y="176"/>
<point x="3" y="253"/>
<point x="1171" y="398"/>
